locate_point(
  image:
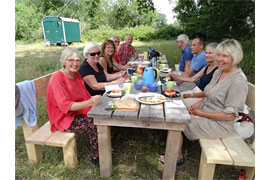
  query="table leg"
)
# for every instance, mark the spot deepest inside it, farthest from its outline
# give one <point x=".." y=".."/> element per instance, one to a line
<point x="105" y="150"/>
<point x="172" y="145"/>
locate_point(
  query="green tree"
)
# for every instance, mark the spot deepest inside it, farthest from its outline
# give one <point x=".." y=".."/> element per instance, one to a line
<point x="215" y="19"/>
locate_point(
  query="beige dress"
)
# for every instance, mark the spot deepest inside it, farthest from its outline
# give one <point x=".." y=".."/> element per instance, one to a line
<point x="229" y="96"/>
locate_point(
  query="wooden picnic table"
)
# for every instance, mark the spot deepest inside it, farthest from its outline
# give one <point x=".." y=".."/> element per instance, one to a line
<point x="164" y="116"/>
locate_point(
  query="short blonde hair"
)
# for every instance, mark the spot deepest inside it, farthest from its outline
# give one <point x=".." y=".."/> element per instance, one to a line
<point x="232" y="48"/>
<point x="69" y="52"/>
<point x="90" y="45"/>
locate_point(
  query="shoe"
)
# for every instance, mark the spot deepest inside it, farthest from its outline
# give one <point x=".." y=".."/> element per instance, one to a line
<point x="95" y="161"/>
<point x="179" y="162"/>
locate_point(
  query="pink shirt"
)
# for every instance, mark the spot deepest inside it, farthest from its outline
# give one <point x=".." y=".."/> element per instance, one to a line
<point x="62" y="92"/>
<point x="125" y="52"/>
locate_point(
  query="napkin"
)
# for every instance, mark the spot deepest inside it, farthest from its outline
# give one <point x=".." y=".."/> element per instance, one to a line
<point x="112" y="87"/>
<point x="176" y="104"/>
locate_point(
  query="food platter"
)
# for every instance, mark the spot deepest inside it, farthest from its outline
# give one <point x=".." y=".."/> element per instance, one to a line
<point x="150" y="98"/>
<point x="115" y="93"/>
<point x="171" y="93"/>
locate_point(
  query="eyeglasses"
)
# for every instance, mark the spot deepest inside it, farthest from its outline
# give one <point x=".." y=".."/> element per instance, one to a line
<point x="73" y="61"/>
<point x="94" y="53"/>
<point x="117" y="41"/>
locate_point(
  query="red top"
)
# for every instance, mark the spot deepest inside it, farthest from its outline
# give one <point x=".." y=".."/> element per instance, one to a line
<point x="116" y="57"/>
<point x="62" y="92"/>
<point x="125" y="52"/>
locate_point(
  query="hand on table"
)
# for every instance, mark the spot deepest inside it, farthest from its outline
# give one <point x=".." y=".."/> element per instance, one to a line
<point x="94" y="100"/>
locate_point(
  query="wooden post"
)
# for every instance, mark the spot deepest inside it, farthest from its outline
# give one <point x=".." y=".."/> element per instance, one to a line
<point x="206" y="170"/>
<point x="70" y="154"/>
<point x="105" y="150"/>
<point x="172" y="145"/>
<point x="34" y="152"/>
<point x="250" y="173"/>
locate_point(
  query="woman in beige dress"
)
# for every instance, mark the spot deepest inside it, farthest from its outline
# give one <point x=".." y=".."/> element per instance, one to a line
<point x="213" y="116"/>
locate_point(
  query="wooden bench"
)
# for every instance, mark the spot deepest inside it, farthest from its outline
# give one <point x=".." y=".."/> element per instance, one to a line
<point x="228" y="151"/>
<point x="35" y="136"/>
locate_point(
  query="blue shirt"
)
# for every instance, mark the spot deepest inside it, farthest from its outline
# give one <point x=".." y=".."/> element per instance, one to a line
<point x="186" y="55"/>
<point x="197" y="63"/>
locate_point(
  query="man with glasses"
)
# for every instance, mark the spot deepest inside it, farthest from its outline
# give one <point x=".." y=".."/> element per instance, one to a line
<point x="186" y="55"/>
<point x="126" y="50"/>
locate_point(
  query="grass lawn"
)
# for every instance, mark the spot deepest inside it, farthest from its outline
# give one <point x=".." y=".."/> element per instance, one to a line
<point x="136" y="150"/>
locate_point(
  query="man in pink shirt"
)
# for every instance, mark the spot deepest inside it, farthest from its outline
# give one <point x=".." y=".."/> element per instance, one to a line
<point x="126" y="50"/>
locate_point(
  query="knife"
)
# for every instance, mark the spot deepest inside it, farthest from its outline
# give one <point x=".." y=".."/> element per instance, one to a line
<point x="146" y="96"/>
<point x="110" y="109"/>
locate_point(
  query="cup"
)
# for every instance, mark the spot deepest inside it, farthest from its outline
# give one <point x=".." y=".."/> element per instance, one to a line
<point x="130" y="71"/>
<point x="176" y="67"/>
<point x="162" y="66"/>
<point x="134" y="78"/>
<point x="127" y="87"/>
<point x="140" y="70"/>
<point x="145" y="55"/>
<point x="170" y="84"/>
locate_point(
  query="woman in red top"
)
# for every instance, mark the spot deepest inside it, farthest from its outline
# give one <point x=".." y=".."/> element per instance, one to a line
<point x="68" y="101"/>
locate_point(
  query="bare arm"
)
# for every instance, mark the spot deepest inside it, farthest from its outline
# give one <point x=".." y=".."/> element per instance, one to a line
<point x="185" y="74"/>
<point x="103" y="63"/>
<point x="195" y="95"/>
<point x="93" y="101"/>
<point x="192" y="78"/>
<point x="187" y="64"/>
<point x="135" y="56"/>
<point x="91" y="81"/>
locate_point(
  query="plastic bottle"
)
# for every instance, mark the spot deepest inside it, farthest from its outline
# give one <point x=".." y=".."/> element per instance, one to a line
<point x="148" y="54"/>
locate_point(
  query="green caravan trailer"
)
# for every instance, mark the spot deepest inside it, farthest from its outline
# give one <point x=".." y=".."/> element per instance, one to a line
<point x="60" y="30"/>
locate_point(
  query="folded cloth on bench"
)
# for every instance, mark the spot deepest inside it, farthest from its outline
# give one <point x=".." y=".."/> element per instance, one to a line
<point x="243" y="125"/>
<point x="28" y="100"/>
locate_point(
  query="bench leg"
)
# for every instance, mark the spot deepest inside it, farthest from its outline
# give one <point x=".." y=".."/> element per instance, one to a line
<point x="70" y="154"/>
<point x="250" y="173"/>
<point x="105" y="150"/>
<point x="34" y="152"/>
<point x="206" y="171"/>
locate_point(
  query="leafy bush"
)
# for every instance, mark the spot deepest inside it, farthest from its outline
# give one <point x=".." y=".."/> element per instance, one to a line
<point x="167" y="32"/>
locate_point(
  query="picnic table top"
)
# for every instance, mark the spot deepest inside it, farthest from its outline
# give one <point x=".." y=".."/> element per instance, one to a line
<point x="166" y="114"/>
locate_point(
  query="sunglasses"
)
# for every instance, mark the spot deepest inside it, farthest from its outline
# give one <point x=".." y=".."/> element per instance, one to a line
<point x="94" y="53"/>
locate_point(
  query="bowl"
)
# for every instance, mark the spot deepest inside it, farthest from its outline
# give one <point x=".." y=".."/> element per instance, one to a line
<point x="152" y="87"/>
<point x="138" y="85"/>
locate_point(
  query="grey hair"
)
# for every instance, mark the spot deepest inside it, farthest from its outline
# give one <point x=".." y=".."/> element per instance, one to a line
<point x="232" y="48"/>
<point x="212" y="45"/>
<point x="69" y="52"/>
<point x="183" y="37"/>
<point x="90" y="45"/>
<point x="129" y="35"/>
<point x="114" y="36"/>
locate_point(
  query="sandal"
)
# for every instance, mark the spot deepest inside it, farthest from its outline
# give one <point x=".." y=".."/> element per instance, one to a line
<point x="95" y="161"/>
<point x="179" y="162"/>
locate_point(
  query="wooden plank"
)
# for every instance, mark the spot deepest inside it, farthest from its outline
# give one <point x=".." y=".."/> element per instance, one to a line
<point x="140" y="124"/>
<point x="70" y="154"/>
<point x="250" y="101"/>
<point x="60" y="139"/>
<point x="206" y="170"/>
<point x="105" y="150"/>
<point x="172" y="145"/>
<point x="215" y="152"/>
<point x="250" y="173"/>
<point x="41" y="85"/>
<point x="151" y="113"/>
<point x="41" y="135"/>
<point x="239" y="151"/>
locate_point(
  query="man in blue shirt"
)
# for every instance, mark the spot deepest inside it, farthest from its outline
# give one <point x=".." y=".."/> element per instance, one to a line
<point x="197" y="63"/>
<point x="186" y="55"/>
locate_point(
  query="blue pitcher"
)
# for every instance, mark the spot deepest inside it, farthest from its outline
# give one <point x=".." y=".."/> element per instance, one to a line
<point x="149" y="76"/>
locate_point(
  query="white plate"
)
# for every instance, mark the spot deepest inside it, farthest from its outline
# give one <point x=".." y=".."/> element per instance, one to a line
<point x="155" y="96"/>
<point x="166" y="71"/>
